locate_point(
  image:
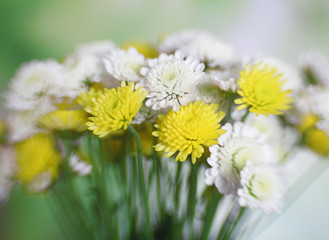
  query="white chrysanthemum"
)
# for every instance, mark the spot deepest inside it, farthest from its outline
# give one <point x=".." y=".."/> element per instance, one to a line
<point x="305" y="98"/>
<point x="312" y="100"/>
<point x="79" y="166"/>
<point x="320" y="108"/>
<point x="206" y="92"/>
<point x="209" y="49"/>
<point x="146" y="114"/>
<point x="125" y="65"/>
<point x="226" y="77"/>
<point x="291" y="77"/>
<point x="177" y="40"/>
<point x="241" y="143"/>
<point x="268" y="125"/>
<point x="24" y="124"/>
<point x="7" y="168"/>
<point x="170" y="80"/>
<point x="317" y="64"/>
<point x="282" y="139"/>
<point x="35" y="82"/>
<point x="202" y="45"/>
<point x="261" y="187"/>
<point x="284" y="144"/>
<point x="86" y="65"/>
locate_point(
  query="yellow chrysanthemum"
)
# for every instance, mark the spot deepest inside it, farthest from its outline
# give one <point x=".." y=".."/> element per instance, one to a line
<point x="318" y="141"/>
<point x="143" y="48"/>
<point x="261" y="89"/>
<point x="85" y="98"/>
<point x="36" y="156"/>
<point x="308" y="121"/>
<point x="188" y="130"/>
<point x="114" y="109"/>
<point x="65" y="120"/>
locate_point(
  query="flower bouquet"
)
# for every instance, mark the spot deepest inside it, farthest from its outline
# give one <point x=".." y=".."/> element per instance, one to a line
<point x="185" y="140"/>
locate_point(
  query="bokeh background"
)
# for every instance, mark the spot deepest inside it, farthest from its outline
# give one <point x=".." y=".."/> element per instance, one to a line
<point x="41" y="29"/>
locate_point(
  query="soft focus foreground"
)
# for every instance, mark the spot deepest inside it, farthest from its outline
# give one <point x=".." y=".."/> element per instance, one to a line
<point x="196" y="101"/>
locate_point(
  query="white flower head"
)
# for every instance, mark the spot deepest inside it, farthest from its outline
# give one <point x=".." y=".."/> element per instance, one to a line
<point x="86" y="65"/>
<point x="35" y="82"/>
<point x="241" y="143"/>
<point x="24" y="124"/>
<point x="321" y="109"/>
<point x="202" y="45"/>
<point x="317" y="64"/>
<point x="125" y="65"/>
<point x="226" y="77"/>
<point x="171" y="80"/>
<point x="210" y="50"/>
<point x="207" y="93"/>
<point x="79" y="166"/>
<point x="270" y="126"/>
<point x="261" y="187"/>
<point x="146" y="114"/>
<point x="177" y="40"/>
<point x="312" y="100"/>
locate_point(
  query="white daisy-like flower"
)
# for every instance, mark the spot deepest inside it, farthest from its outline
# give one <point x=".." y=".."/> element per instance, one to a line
<point x="125" y="65"/>
<point x="210" y="50"/>
<point x="35" y="82"/>
<point x="207" y="93"/>
<point x="225" y="78"/>
<point x="24" y="124"/>
<point x="261" y="187"/>
<point x="317" y="64"/>
<point x="321" y="109"/>
<point x="202" y="45"/>
<point x="171" y="80"/>
<point x="7" y="168"/>
<point x="306" y="99"/>
<point x="281" y="138"/>
<point x="241" y="143"/>
<point x="86" y="65"/>
<point x="176" y="41"/>
<point x="270" y="126"/>
<point x="311" y="100"/>
<point x="79" y="166"/>
<point x="146" y="114"/>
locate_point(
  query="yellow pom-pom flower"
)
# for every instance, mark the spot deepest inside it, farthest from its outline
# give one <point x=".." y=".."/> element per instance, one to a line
<point x="261" y="88"/>
<point x="85" y="98"/>
<point x="114" y="109"/>
<point x="37" y="157"/>
<point x="188" y="130"/>
<point x="62" y="120"/>
<point x="318" y="141"/>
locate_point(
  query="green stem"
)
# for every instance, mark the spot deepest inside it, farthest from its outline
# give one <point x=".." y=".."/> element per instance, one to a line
<point x="177" y="187"/>
<point x="236" y="222"/>
<point x="192" y="198"/>
<point x="245" y="116"/>
<point x="211" y="208"/>
<point x="141" y="176"/>
<point x="229" y="110"/>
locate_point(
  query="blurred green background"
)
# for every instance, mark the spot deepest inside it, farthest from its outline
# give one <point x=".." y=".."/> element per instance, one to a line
<point x="41" y="29"/>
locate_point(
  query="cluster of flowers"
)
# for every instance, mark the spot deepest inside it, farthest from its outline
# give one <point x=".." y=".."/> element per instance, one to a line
<point x="251" y="113"/>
